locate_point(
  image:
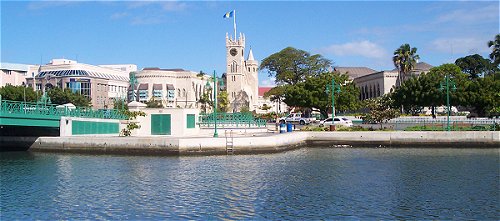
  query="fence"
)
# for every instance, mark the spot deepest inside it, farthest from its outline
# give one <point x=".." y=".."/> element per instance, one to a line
<point x="231" y="120"/>
<point x="430" y="124"/>
<point x="37" y="109"/>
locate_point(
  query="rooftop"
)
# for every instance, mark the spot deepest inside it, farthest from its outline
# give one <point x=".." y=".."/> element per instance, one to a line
<point x="354" y="72"/>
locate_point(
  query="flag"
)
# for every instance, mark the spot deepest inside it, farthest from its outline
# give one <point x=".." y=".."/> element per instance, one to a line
<point x="229" y="14"/>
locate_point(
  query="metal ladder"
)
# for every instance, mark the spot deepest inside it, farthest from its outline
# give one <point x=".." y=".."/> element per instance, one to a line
<point x="229" y="142"/>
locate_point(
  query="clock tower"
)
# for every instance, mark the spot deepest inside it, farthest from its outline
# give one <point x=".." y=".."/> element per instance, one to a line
<point x="241" y="75"/>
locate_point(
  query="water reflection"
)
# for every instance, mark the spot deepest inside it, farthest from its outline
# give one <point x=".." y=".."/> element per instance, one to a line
<point x="304" y="184"/>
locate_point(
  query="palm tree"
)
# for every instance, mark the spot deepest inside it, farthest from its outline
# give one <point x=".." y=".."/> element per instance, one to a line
<point x="405" y="59"/>
<point x="495" y="53"/>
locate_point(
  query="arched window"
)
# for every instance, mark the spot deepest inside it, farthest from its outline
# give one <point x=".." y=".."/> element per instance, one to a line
<point x="184" y="94"/>
<point x="362" y="94"/>
<point x="378" y="90"/>
<point x="371" y="91"/>
<point x="178" y="92"/>
<point x="234" y="67"/>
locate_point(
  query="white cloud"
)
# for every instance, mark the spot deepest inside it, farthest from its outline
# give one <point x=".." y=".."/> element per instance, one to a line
<point x="360" y="48"/>
<point x="147" y="20"/>
<point x="475" y="15"/>
<point x="119" y="15"/>
<point x="174" y="6"/>
<point x="467" y="45"/>
<point x="38" y="5"/>
<point x="164" y="5"/>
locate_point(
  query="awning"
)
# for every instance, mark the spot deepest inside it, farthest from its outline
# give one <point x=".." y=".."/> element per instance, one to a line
<point x="143" y="86"/>
<point x="170" y="87"/>
<point x="157" y="86"/>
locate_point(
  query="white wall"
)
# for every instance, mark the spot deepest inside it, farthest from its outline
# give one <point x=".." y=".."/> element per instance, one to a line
<point x="178" y="119"/>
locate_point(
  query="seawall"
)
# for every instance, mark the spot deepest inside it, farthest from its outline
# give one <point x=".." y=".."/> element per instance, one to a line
<point x="263" y="143"/>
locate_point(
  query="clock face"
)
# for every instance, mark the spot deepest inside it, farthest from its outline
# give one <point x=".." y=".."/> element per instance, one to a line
<point x="233" y="52"/>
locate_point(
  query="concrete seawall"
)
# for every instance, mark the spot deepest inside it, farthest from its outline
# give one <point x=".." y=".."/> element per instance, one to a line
<point x="263" y="143"/>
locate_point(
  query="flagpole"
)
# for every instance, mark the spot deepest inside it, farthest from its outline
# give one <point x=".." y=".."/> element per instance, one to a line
<point x="234" y="22"/>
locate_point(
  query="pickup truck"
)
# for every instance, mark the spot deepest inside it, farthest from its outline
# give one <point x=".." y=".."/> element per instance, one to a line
<point x="295" y="118"/>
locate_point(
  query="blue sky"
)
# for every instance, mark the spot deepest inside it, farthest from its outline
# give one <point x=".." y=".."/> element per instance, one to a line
<point x="191" y="34"/>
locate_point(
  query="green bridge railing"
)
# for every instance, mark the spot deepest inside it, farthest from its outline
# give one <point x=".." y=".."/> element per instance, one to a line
<point x="37" y="110"/>
<point x="231" y="120"/>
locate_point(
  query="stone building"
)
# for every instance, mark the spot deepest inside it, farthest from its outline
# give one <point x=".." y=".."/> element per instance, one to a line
<point x="15" y="74"/>
<point x="275" y="106"/>
<point x="102" y="84"/>
<point x="379" y="83"/>
<point x="173" y="87"/>
<point x="241" y="75"/>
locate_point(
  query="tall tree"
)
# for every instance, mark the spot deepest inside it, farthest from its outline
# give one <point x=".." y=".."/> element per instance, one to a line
<point x="475" y="66"/>
<point x="380" y="110"/>
<point x="424" y="91"/>
<point x="291" y="66"/>
<point x="405" y="59"/>
<point x="495" y="51"/>
<point x="63" y="96"/>
<point x="18" y="93"/>
<point x="222" y="101"/>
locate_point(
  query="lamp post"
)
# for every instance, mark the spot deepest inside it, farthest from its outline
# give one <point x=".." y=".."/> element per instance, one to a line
<point x="215" y="103"/>
<point x="334" y="88"/>
<point x="446" y="85"/>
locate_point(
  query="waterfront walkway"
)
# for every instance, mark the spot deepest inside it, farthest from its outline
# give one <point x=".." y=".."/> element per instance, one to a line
<point x="257" y="142"/>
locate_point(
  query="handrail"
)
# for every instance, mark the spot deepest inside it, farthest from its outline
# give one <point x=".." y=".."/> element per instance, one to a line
<point x="230" y="120"/>
<point x="29" y="108"/>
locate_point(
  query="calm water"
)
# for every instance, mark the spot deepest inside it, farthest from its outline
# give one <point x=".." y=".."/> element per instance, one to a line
<point x="305" y="184"/>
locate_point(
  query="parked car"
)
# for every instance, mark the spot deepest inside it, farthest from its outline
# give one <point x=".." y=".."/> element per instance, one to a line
<point x="295" y="118"/>
<point x="336" y="121"/>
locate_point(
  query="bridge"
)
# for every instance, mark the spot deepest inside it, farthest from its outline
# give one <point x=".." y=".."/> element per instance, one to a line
<point x="16" y="113"/>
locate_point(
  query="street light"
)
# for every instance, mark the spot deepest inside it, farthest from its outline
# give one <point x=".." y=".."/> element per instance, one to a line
<point x="446" y="85"/>
<point x="333" y="88"/>
<point x="215" y="102"/>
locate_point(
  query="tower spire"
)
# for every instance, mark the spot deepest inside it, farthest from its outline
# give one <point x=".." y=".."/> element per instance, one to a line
<point x="250" y="55"/>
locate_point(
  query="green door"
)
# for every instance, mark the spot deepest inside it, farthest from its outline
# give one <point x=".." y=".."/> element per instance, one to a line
<point x="160" y="124"/>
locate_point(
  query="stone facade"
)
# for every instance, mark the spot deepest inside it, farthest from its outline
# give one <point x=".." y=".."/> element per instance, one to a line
<point x="14" y="74"/>
<point x="241" y="75"/>
<point x="379" y="83"/>
<point x="173" y="87"/>
<point x="102" y="85"/>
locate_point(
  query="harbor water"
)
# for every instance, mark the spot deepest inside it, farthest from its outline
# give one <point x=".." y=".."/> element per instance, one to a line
<point x="305" y="184"/>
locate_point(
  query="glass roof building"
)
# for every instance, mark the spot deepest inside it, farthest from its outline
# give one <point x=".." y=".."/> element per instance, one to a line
<point x="102" y="84"/>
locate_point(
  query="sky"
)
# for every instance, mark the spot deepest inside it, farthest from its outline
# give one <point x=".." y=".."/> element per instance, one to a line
<point x="191" y="34"/>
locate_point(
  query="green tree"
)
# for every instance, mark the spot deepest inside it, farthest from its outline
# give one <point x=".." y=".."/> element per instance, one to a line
<point x="265" y="107"/>
<point x="153" y="103"/>
<point x="405" y="59"/>
<point x="19" y="93"/>
<point x="424" y="91"/>
<point x="380" y="110"/>
<point x="132" y="124"/>
<point x="222" y="101"/>
<point x="204" y="101"/>
<point x="291" y="66"/>
<point x="312" y="94"/>
<point x="495" y="50"/>
<point x="475" y="66"/>
<point x="120" y="104"/>
<point x="482" y="95"/>
<point x="302" y="80"/>
<point x="64" y="96"/>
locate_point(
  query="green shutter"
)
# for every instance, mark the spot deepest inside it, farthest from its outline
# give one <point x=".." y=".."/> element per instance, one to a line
<point x="93" y="127"/>
<point x="160" y="124"/>
<point x="191" y="121"/>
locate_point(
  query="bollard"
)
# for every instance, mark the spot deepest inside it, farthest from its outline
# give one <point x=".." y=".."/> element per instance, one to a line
<point x="332" y="127"/>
